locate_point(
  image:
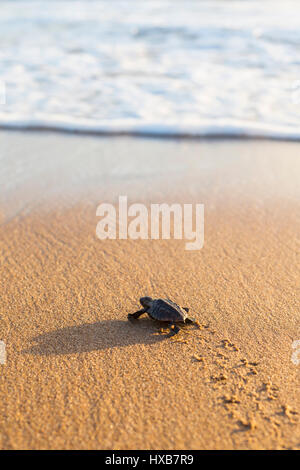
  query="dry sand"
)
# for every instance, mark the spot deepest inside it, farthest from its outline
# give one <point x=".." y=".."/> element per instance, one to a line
<point x="79" y="375"/>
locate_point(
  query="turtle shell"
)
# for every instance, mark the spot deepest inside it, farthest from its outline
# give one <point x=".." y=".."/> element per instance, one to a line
<point x="166" y="310"/>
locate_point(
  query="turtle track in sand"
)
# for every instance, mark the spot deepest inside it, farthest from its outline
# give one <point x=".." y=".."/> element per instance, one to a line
<point x="252" y="401"/>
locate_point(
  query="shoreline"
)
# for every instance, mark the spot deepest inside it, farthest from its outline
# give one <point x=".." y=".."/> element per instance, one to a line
<point x="40" y="170"/>
<point x="78" y="375"/>
<point x="158" y="132"/>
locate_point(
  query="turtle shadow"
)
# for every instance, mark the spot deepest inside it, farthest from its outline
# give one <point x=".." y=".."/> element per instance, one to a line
<point x="98" y="336"/>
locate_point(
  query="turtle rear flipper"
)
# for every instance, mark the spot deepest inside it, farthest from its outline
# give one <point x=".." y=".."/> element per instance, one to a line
<point x="190" y="320"/>
<point x="174" y="329"/>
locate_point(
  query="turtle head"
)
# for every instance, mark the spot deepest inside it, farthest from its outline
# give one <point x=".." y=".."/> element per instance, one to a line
<point x="146" y="302"/>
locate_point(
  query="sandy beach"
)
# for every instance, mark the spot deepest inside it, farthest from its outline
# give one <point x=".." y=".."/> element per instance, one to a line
<point x="78" y="375"/>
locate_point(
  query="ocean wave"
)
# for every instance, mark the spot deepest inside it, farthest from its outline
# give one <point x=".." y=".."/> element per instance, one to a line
<point x="212" y="129"/>
<point x="206" y="68"/>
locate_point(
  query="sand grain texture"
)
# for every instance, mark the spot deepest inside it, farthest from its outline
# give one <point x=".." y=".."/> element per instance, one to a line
<point x="80" y="376"/>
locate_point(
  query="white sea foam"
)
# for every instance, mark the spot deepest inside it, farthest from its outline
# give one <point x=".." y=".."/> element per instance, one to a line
<point x="157" y="67"/>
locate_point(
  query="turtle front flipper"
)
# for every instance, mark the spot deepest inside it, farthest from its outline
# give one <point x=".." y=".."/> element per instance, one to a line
<point x="136" y="315"/>
<point x="186" y="309"/>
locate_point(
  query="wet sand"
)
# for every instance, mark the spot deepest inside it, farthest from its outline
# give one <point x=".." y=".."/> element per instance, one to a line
<point x="79" y="375"/>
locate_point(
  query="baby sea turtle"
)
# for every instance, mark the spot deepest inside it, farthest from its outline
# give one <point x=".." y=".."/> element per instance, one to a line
<point x="163" y="310"/>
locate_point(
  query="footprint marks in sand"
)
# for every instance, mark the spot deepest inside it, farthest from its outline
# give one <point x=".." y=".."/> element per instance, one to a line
<point x="248" y="397"/>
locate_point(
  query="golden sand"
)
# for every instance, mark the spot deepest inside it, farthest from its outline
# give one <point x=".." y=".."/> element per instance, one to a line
<point x="80" y="376"/>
